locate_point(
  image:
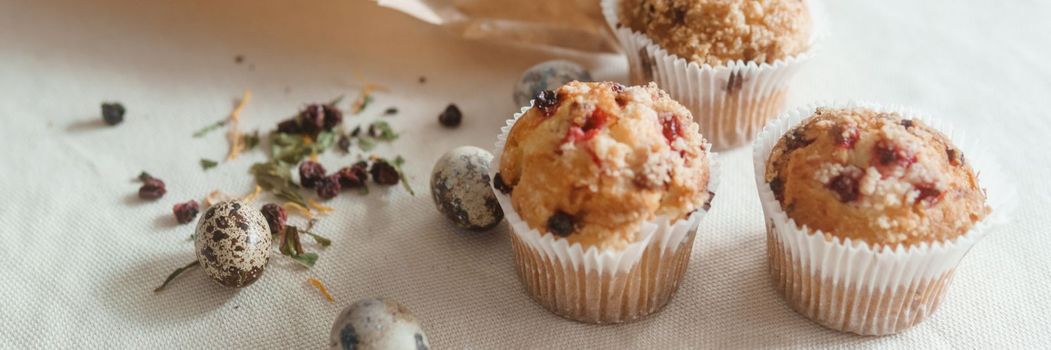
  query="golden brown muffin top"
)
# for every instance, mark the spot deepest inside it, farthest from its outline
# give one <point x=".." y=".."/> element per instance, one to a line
<point x="861" y="174"/>
<point x="591" y="161"/>
<point x="717" y="31"/>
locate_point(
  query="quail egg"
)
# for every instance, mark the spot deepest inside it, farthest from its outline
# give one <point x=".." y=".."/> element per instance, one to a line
<point x="233" y="243"/>
<point x="461" y="191"/>
<point x="377" y="324"/>
<point x="547" y="75"/>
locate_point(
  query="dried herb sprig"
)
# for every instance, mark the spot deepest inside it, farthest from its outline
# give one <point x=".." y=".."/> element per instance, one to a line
<point x="207" y="129"/>
<point x="208" y="164"/>
<point x="398" y="161"/>
<point x="293" y="248"/>
<point x="276" y="177"/>
<point x="176" y="273"/>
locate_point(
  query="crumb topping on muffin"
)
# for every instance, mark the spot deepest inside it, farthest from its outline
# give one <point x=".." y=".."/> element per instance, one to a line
<point x="591" y="161"/>
<point x="861" y="174"/>
<point x="717" y="31"/>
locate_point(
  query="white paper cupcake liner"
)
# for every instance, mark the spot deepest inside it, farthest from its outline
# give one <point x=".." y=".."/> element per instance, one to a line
<point x="601" y="285"/>
<point x="849" y="285"/>
<point x="731" y="103"/>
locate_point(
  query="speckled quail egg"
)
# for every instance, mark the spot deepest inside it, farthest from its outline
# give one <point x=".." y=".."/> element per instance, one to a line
<point x="233" y="243"/>
<point x="461" y="191"/>
<point x="375" y="324"/>
<point x="548" y="75"/>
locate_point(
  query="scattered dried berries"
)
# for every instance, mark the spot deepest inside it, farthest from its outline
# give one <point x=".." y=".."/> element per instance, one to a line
<point x="560" y="224"/>
<point x="275" y="216"/>
<point x="846" y="187"/>
<point x="451" y="117"/>
<point x="310" y="172"/>
<point x="547" y="101"/>
<point x="500" y="185"/>
<point x="112" y="113"/>
<point x="353" y="176"/>
<point x="312" y="120"/>
<point x="384" y="173"/>
<point x="152" y="188"/>
<point x="185" y="212"/>
<point x="328" y="187"/>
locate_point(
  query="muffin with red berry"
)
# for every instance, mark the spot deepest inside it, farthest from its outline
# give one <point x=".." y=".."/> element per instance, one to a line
<point x="728" y="61"/>
<point x="604" y="186"/>
<point x="869" y="211"/>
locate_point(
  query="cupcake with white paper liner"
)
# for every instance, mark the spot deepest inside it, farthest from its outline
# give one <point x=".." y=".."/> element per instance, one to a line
<point x="728" y="61"/>
<point x="869" y="210"/>
<point x="603" y="187"/>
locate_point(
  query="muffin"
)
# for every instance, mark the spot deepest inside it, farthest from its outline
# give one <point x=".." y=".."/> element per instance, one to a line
<point x="728" y="61"/>
<point x="603" y="186"/>
<point x="869" y="211"/>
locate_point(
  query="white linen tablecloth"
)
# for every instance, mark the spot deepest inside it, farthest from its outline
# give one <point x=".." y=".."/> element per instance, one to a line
<point x="80" y="254"/>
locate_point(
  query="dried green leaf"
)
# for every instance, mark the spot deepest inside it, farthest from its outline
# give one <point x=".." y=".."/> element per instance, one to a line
<point x="324" y="141"/>
<point x="397" y="163"/>
<point x="208" y="164"/>
<point x="324" y="242"/>
<point x="382" y="131"/>
<point x="336" y="100"/>
<point x="178" y="272"/>
<point x="366" y="143"/>
<point x="211" y="127"/>
<point x="250" y="140"/>
<point x="276" y="177"/>
<point x="307" y="259"/>
<point x="143" y="176"/>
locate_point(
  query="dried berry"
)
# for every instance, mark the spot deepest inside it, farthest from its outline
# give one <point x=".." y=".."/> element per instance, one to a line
<point x="353" y="176"/>
<point x="778" y="187"/>
<point x="886" y="155"/>
<point x="928" y="195"/>
<point x="328" y="187"/>
<point x="846" y="136"/>
<point x="500" y="185"/>
<point x="708" y="203"/>
<point x="332" y="117"/>
<point x="907" y="123"/>
<point x="152" y="188"/>
<point x="384" y="173"/>
<point x="845" y="187"/>
<point x="560" y="224"/>
<point x="451" y="117"/>
<point x="390" y="111"/>
<point x="671" y="127"/>
<point x="185" y="212"/>
<point x="312" y="120"/>
<point x="547" y="101"/>
<point x="112" y="113"/>
<point x="310" y="172"/>
<point x="290" y="126"/>
<point x="796" y="139"/>
<point x="275" y="216"/>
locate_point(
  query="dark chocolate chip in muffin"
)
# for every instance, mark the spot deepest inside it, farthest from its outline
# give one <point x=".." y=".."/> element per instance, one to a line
<point x="778" y="187"/>
<point x="907" y="123"/>
<point x="560" y="224"/>
<point x="500" y="185"/>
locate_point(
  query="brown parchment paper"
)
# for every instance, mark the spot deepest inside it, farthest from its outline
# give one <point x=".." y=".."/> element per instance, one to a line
<point x="569" y="24"/>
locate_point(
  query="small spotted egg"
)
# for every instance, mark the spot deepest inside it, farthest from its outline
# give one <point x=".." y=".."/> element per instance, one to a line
<point x="461" y="191"/>
<point x="375" y="324"/>
<point x="547" y="75"/>
<point x="233" y="243"/>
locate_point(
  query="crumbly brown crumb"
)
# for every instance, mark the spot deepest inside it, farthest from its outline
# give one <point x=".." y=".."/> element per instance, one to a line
<point x="717" y="31"/>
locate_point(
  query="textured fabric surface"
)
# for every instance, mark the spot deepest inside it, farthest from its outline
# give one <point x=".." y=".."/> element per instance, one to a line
<point x="80" y="254"/>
